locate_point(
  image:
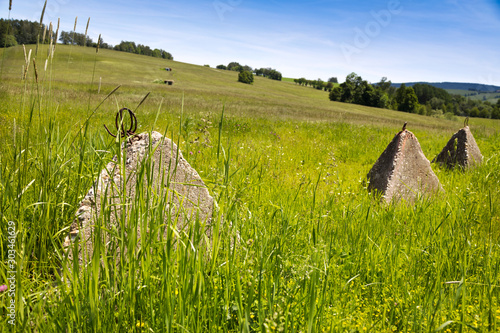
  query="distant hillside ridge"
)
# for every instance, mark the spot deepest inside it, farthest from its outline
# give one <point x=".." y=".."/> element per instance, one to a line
<point x="456" y="85"/>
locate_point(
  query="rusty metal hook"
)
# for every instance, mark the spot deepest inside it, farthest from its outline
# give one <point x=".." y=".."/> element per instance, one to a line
<point x="119" y="124"/>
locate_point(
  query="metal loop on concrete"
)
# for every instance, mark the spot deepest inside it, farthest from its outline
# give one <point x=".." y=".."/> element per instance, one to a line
<point x="119" y="121"/>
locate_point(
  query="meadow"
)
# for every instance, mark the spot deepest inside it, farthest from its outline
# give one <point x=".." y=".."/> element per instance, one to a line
<point x="491" y="97"/>
<point x="301" y="246"/>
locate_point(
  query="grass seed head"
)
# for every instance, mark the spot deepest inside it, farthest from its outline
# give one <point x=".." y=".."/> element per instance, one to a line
<point x="87" y="27"/>
<point x="25" y="57"/>
<point x="98" y="43"/>
<point x="57" y="35"/>
<point x="86" y="30"/>
<point x="27" y="65"/>
<point x="51" y="29"/>
<point x="43" y="13"/>
<point x="44" y="33"/>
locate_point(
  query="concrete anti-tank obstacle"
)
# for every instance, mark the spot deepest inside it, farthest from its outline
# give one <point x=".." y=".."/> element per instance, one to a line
<point x="169" y="180"/>
<point x="461" y="150"/>
<point x="403" y="172"/>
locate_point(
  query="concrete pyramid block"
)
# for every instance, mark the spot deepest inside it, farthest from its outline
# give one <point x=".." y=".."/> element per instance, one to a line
<point x="461" y="150"/>
<point x="169" y="182"/>
<point x="403" y="172"/>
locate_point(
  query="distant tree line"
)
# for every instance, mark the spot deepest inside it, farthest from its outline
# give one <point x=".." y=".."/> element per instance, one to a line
<point x="317" y="84"/>
<point x="421" y="98"/>
<point x="269" y="73"/>
<point x="75" y="38"/>
<point x="131" y="47"/>
<point x="358" y="91"/>
<point x="124" y="46"/>
<point x="17" y="32"/>
<point x="265" y="72"/>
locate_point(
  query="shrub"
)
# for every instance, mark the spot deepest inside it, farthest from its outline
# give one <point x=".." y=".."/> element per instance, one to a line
<point x="245" y="77"/>
<point x="8" y="41"/>
<point x="336" y="94"/>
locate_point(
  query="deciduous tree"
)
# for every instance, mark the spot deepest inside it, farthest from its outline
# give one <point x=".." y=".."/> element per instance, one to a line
<point x="245" y="77"/>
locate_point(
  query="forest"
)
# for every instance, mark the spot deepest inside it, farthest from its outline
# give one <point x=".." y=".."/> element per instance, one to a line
<point x="421" y="98"/>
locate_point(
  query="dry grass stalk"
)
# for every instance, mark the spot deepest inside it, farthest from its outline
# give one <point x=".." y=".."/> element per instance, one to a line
<point x="36" y="71"/>
<point x="43" y="13"/>
<point x="50" y="39"/>
<point x="55" y="39"/>
<point x="45" y="33"/>
<point x="25" y="57"/>
<point x="41" y="25"/>
<point x="51" y="32"/>
<point x="49" y="50"/>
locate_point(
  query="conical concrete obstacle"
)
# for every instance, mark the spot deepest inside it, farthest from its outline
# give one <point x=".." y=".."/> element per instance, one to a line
<point x="153" y="191"/>
<point x="461" y="150"/>
<point x="403" y="172"/>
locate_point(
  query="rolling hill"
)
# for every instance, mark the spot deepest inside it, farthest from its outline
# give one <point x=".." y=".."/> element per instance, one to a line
<point x="456" y="86"/>
<point x="473" y="91"/>
<point x="74" y="70"/>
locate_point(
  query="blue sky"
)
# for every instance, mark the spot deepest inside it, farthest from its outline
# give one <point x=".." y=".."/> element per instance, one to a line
<point x="404" y="40"/>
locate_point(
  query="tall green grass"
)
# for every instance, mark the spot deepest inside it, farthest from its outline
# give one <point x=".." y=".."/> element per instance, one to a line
<point x="299" y="245"/>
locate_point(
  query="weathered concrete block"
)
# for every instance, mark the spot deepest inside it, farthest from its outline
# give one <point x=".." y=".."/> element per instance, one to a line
<point x="403" y="172"/>
<point x="166" y="180"/>
<point x="461" y="150"/>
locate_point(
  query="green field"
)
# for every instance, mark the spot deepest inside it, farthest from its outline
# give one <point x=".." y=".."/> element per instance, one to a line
<point x="491" y="97"/>
<point x="302" y="246"/>
<point x="288" y="79"/>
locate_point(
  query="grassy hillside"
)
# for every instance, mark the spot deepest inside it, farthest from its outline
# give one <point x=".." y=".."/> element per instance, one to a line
<point x="205" y="89"/>
<point x="457" y="86"/>
<point x="303" y="246"/>
<point x="480" y="96"/>
<point x="486" y="92"/>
